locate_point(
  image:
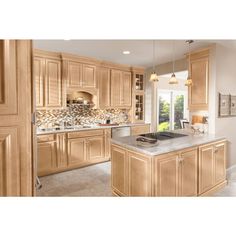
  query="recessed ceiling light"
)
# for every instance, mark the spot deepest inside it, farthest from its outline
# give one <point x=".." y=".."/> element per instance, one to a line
<point x="126" y="52"/>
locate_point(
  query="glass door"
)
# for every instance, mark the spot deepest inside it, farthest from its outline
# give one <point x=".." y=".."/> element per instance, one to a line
<point x="164" y="110"/>
<point x="172" y="108"/>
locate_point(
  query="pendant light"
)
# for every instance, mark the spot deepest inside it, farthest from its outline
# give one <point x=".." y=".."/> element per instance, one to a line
<point x="189" y="81"/>
<point x="153" y="76"/>
<point x="173" y="79"/>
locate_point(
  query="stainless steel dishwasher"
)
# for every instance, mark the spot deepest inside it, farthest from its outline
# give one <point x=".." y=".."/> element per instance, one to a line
<point x="117" y="132"/>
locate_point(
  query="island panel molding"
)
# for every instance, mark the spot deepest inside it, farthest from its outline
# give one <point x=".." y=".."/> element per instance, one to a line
<point x="195" y="171"/>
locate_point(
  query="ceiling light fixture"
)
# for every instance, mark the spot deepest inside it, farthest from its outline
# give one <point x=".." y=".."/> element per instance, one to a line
<point x="189" y="81"/>
<point x="126" y="52"/>
<point x="153" y="76"/>
<point x="173" y="79"/>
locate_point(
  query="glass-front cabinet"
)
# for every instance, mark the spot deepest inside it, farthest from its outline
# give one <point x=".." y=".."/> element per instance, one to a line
<point x="138" y="97"/>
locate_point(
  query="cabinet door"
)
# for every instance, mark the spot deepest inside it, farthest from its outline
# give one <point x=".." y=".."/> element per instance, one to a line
<point x="126" y="89"/>
<point x="206" y="168"/>
<point x="89" y="76"/>
<point x="107" y="143"/>
<point x="61" y="150"/>
<point x="166" y="176"/>
<point x="95" y="148"/>
<point x="47" y="157"/>
<point x="76" y="152"/>
<point x="104" y="88"/>
<point x="116" y="80"/>
<point x="74" y="75"/>
<point x="220" y="168"/>
<point x="53" y="83"/>
<point x="119" y="170"/>
<point x="39" y="69"/>
<point x="198" y="92"/>
<point x="139" y="180"/>
<point x="188" y="173"/>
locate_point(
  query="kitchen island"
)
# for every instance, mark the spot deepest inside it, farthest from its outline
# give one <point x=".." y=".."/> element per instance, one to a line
<point x="192" y="165"/>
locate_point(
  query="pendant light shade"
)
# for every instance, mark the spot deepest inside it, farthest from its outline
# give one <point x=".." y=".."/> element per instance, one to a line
<point x="153" y="77"/>
<point x="189" y="81"/>
<point x="173" y="79"/>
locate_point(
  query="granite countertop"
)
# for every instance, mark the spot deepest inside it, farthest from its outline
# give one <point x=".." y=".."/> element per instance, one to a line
<point x="81" y="128"/>
<point x="169" y="145"/>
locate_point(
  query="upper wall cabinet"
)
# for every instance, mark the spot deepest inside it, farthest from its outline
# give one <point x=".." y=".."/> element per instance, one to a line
<point x="104" y="87"/>
<point x="198" y="92"/>
<point x="49" y="87"/>
<point x="121" y="88"/>
<point x="79" y="75"/>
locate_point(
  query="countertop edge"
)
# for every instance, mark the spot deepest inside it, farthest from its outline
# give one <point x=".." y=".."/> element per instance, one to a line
<point x="172" y="149"/>
<point x="92" y="128"/>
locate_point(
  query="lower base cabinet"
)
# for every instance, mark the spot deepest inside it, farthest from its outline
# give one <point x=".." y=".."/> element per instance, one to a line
<point x="190" y="172"/>
<point x="76" y="151"/>
<point x="47" y="157"/>
<point x="176" y="174"/>
<point x="212" y="165"/>
<point x="131" y="173"/>
<point x="61" y="152"/>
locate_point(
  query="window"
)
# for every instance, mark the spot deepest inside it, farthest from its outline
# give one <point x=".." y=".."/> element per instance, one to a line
<point x="172" y="108"/>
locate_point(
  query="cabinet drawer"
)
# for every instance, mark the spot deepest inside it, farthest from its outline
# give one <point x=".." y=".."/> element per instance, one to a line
<point x="46" y="138"/>
<point x="87" y="133"/>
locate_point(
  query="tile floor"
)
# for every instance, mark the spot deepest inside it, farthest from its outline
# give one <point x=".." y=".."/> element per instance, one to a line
<point x="95" y="181"/>
<point x="88" y="181"/>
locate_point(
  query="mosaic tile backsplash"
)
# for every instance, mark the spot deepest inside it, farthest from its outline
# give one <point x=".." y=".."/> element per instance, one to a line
<point x="80" y="115"/>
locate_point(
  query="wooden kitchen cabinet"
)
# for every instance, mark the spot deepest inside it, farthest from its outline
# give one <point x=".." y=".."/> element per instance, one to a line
<point x="39" y="65"/>
<point x="47" y="157"/>
<point x="120" y="88"/>
<point x="166" y="175"/>
<point x="211" y="165"/>
<point x="176" y="174"/>
<point x="74" y="76"/>
<point x="95" y="148"/>
<point x="131" y="173"/>
<point x="188" y="166"/>
<point x="220" y="162"/>
<point x="104" y="87"/>
<point x="53" y="84"/>
<point x="107" y="143"/>
<point x="139" y="178"/>
<point x="79" y="75"/>
<point x="140" y="129"/>
<point x="89" y="76"/>
<point x="198" y="92"/>
<point x="126" y="89"/>
<point x="119" y="172"/>
<point x="76" y="151"/>
<point x="49" y="85"/>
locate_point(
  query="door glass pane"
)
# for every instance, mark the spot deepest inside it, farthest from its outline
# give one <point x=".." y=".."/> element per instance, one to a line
<point x="178" y="100"/>
<point x="164" y="111"/>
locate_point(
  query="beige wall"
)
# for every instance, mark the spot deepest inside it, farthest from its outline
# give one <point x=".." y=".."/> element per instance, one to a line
<point x="226" y="83"/>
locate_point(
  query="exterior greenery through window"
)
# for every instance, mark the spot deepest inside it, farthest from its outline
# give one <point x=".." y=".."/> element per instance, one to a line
<point x="171" y="110"/>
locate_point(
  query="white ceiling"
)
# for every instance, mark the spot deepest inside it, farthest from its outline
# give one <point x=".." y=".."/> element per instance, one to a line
<point x="141" y="50"/>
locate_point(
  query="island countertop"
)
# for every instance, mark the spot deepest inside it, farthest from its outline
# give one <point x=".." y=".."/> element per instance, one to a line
<point x="166" y="146"/>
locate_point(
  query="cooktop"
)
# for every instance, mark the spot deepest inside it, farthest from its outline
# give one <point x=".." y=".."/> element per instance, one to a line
<point x="163" y="135"/>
